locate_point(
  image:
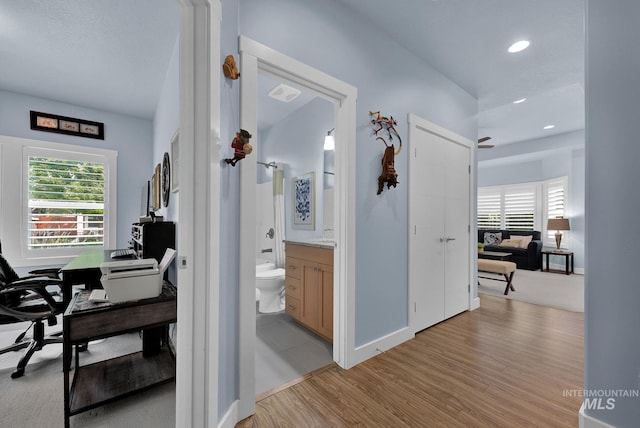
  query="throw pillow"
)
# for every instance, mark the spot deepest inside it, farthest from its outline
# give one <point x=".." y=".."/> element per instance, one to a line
<point x="524" y="242"/>
<point x="492" y="238"/>
<point x="515" y="243"/>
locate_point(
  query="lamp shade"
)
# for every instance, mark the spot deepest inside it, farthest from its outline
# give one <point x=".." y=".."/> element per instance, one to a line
<point x="558" y="224"/>
<point x="329" y="143"/>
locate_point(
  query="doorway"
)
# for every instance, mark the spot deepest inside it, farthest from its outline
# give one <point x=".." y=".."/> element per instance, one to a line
<point x="256" y="58"/>
<point x="289" y="141"/>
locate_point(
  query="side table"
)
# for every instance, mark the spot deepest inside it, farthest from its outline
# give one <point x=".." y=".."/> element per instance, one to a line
<point x="568" y="258"/>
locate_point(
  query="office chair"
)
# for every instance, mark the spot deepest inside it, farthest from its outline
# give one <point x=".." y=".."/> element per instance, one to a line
<point x="33" y="298"/>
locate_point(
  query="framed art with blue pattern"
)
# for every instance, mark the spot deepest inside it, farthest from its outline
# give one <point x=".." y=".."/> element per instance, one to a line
<point x="304" y="201"/>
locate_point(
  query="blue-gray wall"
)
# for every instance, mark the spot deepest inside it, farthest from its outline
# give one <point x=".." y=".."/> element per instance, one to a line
<point x="539" y="160"/>
<point x="333" y="39"/>
<point x="166" y="122"/>
<point x="612" y="318"/>
<point x="131" y="137"/>
<point x="297" y="141"/>
<point x="329" y="37"/>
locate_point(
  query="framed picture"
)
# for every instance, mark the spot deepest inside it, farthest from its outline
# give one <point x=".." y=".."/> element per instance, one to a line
<point x="304" y="201"/>
<point x="66" y="125"/>
<point x="175" y="162"/>
<point x="156" y="187"/>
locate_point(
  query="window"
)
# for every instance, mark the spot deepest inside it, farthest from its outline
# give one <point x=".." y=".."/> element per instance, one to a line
<point x="523" y="206"/>
<point x="555" y="192"/>
<point x="66" y="203"/>
<point x="57" y="200"/>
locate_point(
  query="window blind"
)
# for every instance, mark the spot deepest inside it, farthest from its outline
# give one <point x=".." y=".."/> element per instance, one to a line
<point x="65" y="203"/>
<point x="489" y="209"/>
<point x="519" y="208"/>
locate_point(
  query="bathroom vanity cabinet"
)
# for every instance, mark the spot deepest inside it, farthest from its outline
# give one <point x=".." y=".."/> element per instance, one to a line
<point x="309" y="287"/>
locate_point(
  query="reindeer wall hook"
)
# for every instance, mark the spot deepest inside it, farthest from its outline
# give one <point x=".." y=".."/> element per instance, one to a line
<point x="386" y="126"/>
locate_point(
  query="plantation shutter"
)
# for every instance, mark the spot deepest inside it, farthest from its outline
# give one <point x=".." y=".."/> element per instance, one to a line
<point x="556" y="195"/>
<point x="519" y="208"/>
<point x="66" y="203"/>
<point x="489" y="209"/>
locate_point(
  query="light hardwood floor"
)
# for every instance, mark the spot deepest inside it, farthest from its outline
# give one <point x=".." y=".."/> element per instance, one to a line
<point x="505" y="364"/>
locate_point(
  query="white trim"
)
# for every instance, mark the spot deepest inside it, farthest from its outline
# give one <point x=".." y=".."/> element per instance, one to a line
<point x="257" y="57"/>
<point x="475" y="303"/>
<point x="199" y="212"/>
<point x="382" y="344"/>
<point x="586" y="421"/>
<point x="15" y="153"/>
<point x="230" y="418"/>
<point x="418" y="123"/>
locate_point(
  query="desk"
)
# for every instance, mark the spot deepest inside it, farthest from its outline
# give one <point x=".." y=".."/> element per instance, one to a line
<point x="96" y="384"/>
<point x="568" y="258"/>
<point x="84" y="269"/>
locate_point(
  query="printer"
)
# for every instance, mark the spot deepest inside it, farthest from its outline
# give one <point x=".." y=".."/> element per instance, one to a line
<point x="136" y="279"/>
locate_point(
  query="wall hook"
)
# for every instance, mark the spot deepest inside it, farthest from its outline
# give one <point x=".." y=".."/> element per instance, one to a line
<point x="241" y="147"/>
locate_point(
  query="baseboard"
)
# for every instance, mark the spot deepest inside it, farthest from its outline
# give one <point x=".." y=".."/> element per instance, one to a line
<point x="378" y="346"/>
<point x="586" y="421"/>
<point x="475" y="304"/>
<point x="230" y="419"/>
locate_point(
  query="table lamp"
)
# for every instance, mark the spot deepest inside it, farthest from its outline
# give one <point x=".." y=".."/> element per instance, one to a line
<point x="558" y="224"/>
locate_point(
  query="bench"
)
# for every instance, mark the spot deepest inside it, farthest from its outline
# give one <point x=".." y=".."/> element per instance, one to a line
<point x="501" y="268"/>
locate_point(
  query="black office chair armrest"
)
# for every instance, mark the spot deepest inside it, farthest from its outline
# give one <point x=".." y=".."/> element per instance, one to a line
<point x="37" y="285"/>
<point x="53" y="273"/>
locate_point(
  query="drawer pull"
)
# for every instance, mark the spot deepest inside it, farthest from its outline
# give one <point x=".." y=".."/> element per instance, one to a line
<point x="292" y="267"/>
<point x="291" y="307"/>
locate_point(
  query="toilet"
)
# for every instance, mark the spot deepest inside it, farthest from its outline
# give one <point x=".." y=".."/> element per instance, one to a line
<point x="270" y="285"/>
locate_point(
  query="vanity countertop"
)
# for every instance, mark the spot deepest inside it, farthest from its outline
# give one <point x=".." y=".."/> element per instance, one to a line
<point x="318" y="243"/>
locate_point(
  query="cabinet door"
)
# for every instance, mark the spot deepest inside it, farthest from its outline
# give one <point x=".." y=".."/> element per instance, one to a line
<point x="325" y="323"/>
<point x="310" y="295"/>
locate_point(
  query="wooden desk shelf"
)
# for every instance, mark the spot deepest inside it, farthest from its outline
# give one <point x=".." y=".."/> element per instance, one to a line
<point x="93" y="385"/>
<point x="99" y="383"/>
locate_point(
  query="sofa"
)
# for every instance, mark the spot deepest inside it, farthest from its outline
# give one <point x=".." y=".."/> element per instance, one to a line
<point x="509" y="241"/>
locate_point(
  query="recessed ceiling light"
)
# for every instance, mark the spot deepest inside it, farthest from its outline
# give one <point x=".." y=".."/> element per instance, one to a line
<point x="519" y="46"/>
<point x="549" y="127"/>
<point x="521" y="100"/>
<point x="284" y="93"/>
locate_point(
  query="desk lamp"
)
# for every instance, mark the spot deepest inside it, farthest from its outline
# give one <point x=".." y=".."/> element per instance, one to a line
<point x="558" y="224"/>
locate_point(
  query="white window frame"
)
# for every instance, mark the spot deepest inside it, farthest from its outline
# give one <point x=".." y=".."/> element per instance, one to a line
<point x="541" y="209"/>
<point x="15" y="197"/>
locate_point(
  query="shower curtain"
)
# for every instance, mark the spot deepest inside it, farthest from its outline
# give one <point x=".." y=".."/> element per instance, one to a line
<point x="278" y="207"/>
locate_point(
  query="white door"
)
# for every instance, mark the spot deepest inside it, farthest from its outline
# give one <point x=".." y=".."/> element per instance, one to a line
<point x="440" y="218"/>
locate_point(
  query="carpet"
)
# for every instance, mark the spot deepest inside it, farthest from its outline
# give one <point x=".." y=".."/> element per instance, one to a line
<point x="541" y="288"/>
<point x="37" y="398"/>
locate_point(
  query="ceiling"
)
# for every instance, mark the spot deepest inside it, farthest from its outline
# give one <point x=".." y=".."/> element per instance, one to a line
<point x="120" y="50"/>
<point x="106" y="54"/>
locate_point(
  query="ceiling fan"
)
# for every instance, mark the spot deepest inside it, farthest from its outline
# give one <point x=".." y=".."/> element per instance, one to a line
<point x="484" y="146"/>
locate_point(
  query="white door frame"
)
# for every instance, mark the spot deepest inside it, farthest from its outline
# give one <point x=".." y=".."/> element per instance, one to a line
<point x="418" y="124"/>
<point x="255" y="58"/>
<point x="199" y="210"/>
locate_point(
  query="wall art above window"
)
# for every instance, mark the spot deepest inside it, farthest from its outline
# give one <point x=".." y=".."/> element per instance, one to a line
<point x="66" y="125"/>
